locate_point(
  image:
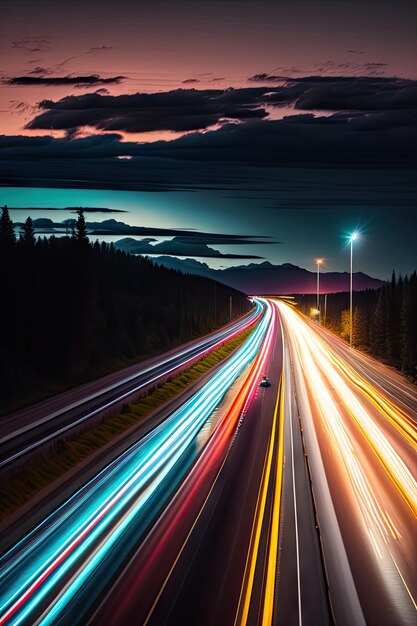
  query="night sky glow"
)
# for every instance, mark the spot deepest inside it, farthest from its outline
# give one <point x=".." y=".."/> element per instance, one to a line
<point x="293" y="120"/>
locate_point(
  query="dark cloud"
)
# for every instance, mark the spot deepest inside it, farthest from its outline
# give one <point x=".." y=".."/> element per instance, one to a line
<point x="39" y="70"/>
<point x="21" y="107"/>
<point x="99" y="49"/>
<point x="374" y="66"/>
<point x="31" y="44"/>
<point x="183" y="243"/>
<point x="53" y="69"/>
<point x="264" y="77"/>
<point x="114" y="227"/>
<point x="373" y="129"/>
<point x="341" y="93"/>
<point x="360" y="94"/>
<point x="188" y="81"/>
<point x="73" y="209"/>
<point x="233" y="157"/>
<point x="303" y="139"/>
<point x="178" y="110"/>
<point x="56" y="81"/>
<point x="354" y="69"/>
<point x="185" y="110"/>
<point x="178" y="246"/>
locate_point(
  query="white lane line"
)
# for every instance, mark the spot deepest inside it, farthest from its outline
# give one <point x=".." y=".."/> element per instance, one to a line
<point x="100" y="409"/>
<point x="343" y="592"/>
<point x="300" y="618"/>
<point x="205" y="343"/>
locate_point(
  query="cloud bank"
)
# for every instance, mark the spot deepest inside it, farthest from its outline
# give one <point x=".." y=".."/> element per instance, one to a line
<point x="361" y="150"/>
<point x="34" y="79"/>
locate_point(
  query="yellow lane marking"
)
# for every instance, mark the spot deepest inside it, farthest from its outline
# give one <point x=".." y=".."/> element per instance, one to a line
<point x="383" y="406"/>
<point x="407" y="497"/>
<point x="249" y="574"/>
<point x="398" y="418"/>
<point x="273" y="546"/>
<point x="189" y="534"/>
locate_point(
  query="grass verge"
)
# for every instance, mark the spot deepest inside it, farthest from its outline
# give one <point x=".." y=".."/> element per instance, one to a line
<point x="44" y="469"/>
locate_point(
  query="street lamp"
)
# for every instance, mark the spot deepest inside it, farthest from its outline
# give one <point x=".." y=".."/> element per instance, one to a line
<point x="353" y="238"/>
<point x="319" y="262"/>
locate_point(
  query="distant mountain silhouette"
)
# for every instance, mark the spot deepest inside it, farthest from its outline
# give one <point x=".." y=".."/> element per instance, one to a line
<point x="268" y="279"/>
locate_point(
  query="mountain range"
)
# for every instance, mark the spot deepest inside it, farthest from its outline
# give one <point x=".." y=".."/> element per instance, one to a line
<point x="268" y="279"/>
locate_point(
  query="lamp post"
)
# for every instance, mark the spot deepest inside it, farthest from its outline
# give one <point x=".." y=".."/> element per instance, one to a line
<point x="319" y="262"/>
<point x="353" y="238"/>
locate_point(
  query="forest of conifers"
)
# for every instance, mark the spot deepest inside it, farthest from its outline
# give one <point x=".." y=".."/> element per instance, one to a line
<point x="72" y="310"/>
<point x="384" y="320"/>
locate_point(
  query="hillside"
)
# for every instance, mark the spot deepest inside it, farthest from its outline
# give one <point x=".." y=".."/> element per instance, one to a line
<point x="73" y="311"/>
<point x="268" y="279"/>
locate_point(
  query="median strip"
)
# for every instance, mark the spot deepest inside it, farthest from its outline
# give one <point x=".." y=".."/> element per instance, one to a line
<point x="43" y="470"/>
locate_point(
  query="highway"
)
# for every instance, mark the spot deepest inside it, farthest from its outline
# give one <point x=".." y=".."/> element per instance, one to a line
<point x="34" y="428"/>
<point x="90" y="534"/>
<point x="215" y="555"/>
<point x="287" y="505"/>
<point x="362" y="455"/>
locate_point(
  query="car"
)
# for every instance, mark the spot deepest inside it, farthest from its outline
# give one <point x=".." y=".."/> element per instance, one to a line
<point x="265" y="382"/>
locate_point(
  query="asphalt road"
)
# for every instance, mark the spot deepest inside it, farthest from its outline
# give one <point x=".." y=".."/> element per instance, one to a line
<point x="205" y="558"/>
<point x="35" y="428"/>
<point x="361" y="450"/>
<point x="58" y="570"/>
<point x="233" y="546"/>
<point x="295" y="504"/>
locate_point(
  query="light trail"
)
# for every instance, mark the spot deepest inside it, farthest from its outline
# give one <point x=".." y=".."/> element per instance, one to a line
<point x="271" y="479"/>
<point x="220" y="441"/>
<point x="297" y="546"/>
<point x="398" y="418"/>
<point x="148" y="504"/>
<point x="340" y="399"/>
<point x="272" y="559"/>
<point x="315" y="355"/>
<point x="81" y="533"/>
<point x="162" y="368"/>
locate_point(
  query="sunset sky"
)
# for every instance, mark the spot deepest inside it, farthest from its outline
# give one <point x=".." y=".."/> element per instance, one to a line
<point x="291" y="120"/>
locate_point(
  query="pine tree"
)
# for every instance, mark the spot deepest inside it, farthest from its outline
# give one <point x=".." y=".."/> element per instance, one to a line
<point x="392" y="342"/>
<point x="408" y="326"/>
<point x="80" y="229"/>
<point x="379" y="324"/>
<point x="360" y="327"/>
<point x="27" y="234"/>
<point x="7" y="234"/>
<point x="345" y="324"/>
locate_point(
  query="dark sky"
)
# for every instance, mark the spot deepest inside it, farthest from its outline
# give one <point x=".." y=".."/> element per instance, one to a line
<point x="292" y="120"/>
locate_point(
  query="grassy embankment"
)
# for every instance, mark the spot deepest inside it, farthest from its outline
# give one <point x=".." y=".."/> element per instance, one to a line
<point x="43" y="470"/>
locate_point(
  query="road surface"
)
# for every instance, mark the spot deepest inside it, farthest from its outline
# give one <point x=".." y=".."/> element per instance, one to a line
<point x="31" y="430"/>
<point x="361" y="450"/>
<point x="294" y="504"/>
<point x="88" y="537"/>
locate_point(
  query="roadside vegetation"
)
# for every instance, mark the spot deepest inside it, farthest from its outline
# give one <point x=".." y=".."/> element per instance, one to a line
<point x="73" y="310"/>
<point x="384" y="321"/>
<point x="43" y="470"/>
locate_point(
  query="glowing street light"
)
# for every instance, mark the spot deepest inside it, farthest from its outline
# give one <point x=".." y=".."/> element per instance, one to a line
<point x="319" y="262"/>
<point x="353" y="238"/>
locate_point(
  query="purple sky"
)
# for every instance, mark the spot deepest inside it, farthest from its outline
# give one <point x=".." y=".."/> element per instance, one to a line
<point x="159" y="45"/>
<point x="100" y="99"/>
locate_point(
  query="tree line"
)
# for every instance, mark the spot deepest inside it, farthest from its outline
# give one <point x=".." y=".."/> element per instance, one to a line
<point x="384" y="320"/>
<point x="72" y="310"/>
